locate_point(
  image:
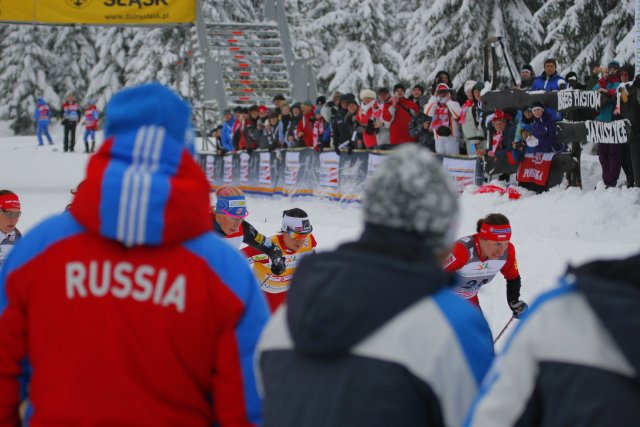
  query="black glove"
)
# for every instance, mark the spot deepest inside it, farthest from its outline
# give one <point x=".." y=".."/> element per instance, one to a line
<point x="278" y="265"/>
<point x="519" y="308"/>
<point x="337" y="150"/>
<point x="350" y="148"/>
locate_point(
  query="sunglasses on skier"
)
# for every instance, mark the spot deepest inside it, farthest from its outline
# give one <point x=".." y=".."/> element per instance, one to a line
<point x="12" y="215"/>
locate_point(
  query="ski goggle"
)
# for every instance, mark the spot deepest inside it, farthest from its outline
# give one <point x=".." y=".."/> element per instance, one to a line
<point x="296" y="236"/>
<point x="12" y="215"/>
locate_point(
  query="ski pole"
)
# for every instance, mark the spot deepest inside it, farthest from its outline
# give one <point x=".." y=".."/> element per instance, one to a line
<point x="265" y="281"/>
<point x="504" y="329"/>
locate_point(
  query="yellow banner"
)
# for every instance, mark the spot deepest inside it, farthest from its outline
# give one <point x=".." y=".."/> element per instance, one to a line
<point x="99" y="12"/>
<point x="16" y="10"/>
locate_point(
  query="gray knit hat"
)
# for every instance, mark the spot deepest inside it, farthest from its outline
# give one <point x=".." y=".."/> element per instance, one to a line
<point x="411" y="192"/>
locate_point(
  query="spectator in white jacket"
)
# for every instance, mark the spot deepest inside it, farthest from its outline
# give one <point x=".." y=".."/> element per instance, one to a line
<point x="444" y="111"/>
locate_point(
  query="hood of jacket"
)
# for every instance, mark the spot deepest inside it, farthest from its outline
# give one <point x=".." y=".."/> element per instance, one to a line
<point x="612" y="289"/>
<point x="143" y="186"/>
<point x="338" y="298"/>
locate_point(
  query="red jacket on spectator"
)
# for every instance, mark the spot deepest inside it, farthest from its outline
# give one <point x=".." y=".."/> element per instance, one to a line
<point x="306" y="125"/>
<point x="366" y="112"/>
<point x="399" y="116"/>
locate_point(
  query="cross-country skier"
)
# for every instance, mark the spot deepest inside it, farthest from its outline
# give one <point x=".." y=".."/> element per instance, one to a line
<point x="42" y="116"/>
<point x="296" y="241"/>
<point x="90" y="121"/>
<point x="9" y="216"/>
<point x="479" y="257"/>
<point x="227" y="219"/>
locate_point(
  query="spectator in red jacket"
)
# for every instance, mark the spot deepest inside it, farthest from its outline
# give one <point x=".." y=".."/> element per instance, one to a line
<point x="399" y="113"/>
<point x="127" y="310"/>
<point x="305" y="125"/>
<point x="367" y="114"/>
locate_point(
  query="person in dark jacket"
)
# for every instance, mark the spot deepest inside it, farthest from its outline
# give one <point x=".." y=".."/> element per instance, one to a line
<point x="498" y="156"/>
<point x="543" y="129"/>
<point x="419" y="129"/>
<point x="574" y="360"/>
<point x="356" y="346"/>
<point x="628" y="107"/>
<point x="526" y="77"/>
<point x="417" y="91"/>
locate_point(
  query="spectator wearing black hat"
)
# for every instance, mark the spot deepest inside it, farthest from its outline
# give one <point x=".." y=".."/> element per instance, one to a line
<point x="352" y="127"/>
<point x="291" y="136"/>
<point x="277" y="103"/>
<point x="416" y="93"/>
<point x="337" y="116"/>
<point x="321" y="100"/>
<point x="216" y="135"/>
<point x="399" y="114"/>
<point x="526" y="77"/>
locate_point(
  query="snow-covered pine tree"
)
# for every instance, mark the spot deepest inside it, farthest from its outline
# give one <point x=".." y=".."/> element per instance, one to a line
<point x="582" y="34"/>
<point x="75" y="56"/>
<point x="363" y="55"/>
<point x="450" y="35"/>
<point x="162" y="55"/>
<point x="24" y="77"/>
<point x="307" y="43"/>
<point x="232" y="10"/>
<point x="109" y="73"/>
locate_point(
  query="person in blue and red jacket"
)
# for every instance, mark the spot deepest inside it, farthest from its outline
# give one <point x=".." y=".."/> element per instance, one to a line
<point x="127" y="310"/>
<point x="42" y="116"/>
<point x="91" y="116"/>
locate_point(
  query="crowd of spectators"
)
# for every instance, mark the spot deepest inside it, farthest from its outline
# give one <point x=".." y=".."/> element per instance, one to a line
<point x="440" y="118"/>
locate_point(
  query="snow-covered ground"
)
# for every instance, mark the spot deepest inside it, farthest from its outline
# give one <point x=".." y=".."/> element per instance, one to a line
<point x="550" y="230"/>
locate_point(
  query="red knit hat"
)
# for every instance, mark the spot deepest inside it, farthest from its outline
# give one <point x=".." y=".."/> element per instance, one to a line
<point x="500" y="115"/>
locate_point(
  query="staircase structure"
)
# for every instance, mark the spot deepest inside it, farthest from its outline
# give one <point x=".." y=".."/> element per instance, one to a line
<point x="250" y="63"/>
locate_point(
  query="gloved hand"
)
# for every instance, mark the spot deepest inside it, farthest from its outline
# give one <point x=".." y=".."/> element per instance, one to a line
<point x="518" y="307"/>
<point x="337" y="150"/>
<point x="278" y="265"/>
<point x="350" y="148"/>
